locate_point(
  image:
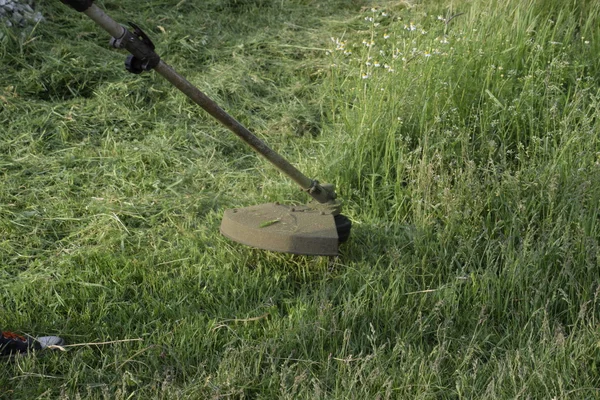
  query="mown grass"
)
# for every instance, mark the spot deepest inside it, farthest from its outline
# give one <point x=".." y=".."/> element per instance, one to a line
<point x="462" y="136"/>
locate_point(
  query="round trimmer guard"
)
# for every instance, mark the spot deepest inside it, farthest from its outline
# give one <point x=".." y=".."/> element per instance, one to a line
<point x="278" y="227"/>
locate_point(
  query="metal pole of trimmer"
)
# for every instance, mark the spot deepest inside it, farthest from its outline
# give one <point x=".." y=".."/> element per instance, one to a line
<point x="144" y="58"/>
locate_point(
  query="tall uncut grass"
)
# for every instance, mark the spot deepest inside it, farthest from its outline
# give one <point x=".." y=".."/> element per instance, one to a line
<point x="469" y="132"/>
<point x="462" y="137"/>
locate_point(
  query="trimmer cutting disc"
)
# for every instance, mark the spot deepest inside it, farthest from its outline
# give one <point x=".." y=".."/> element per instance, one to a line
<point x="288" y="229"/>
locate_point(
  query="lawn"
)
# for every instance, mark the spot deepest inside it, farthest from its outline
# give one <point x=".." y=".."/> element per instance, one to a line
<point x="462" y="137"/>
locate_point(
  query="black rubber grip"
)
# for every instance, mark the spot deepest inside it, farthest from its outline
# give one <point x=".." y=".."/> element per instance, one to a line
<point x="79" y="5"/>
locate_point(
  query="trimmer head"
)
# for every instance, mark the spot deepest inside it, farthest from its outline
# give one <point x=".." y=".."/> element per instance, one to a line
<point x="289" y="229"/>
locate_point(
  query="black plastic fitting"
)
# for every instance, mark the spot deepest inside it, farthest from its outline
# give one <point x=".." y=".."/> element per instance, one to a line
<point x="79" y="5"/>
<point x="135" y="65"/>
<point x="143" y="57"/>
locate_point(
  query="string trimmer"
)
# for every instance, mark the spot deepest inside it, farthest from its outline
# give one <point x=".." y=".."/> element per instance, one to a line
<point x="313" y="229"/>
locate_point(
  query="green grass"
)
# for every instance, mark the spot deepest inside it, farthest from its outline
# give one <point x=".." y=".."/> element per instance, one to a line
<point x="465" y="149"/>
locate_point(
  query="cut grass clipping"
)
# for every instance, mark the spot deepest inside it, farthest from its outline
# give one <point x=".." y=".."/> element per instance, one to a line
<point x="463" y="137"/>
